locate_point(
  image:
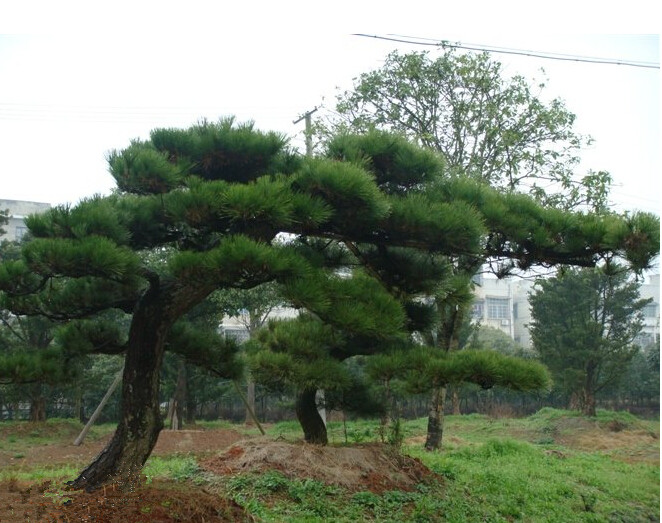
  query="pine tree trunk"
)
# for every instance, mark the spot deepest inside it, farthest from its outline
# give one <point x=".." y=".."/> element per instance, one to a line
<point x="37" y="403"/>
<point x="250" y="401"/>
<point x="455" y="401"/>
<point x="588" y="403"/>
<point x="140" y="417"/>
<point x="37" y="409"/>
<point x="179" y="398"/>
<point x="436" y="419"/>
<point x="138" y="428"/>
<point x="314" y="430"/>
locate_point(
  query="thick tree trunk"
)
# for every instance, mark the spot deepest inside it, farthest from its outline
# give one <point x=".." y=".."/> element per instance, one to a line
<point x="138" y="428"/>
<point x="38" y="409"/>
<point x="436" y="419"/>
<point x="455" y="401"/>
<point x="311" y="422"/>
<point x="178" y="399"/>
<point x="140" y="418"/>
<point x="588" y="402"/>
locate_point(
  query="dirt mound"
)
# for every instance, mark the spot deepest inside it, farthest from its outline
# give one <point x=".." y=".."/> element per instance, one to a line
<point x="373" y="467"/>
<point x="158" y="502"/>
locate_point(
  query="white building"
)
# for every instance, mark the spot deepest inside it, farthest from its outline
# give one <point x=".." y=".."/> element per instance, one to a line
<point x="18" y="210"/>
<point x="651" y="328"/>
<point x="504" y="304"/>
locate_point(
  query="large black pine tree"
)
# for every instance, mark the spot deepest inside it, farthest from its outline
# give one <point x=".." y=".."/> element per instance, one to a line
<point x="211" y="200"/>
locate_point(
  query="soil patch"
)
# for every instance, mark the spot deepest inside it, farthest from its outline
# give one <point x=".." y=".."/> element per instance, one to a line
<point x="170" y="442"/>
<point x="373" y="467"/>
<point x="164" y="502"/>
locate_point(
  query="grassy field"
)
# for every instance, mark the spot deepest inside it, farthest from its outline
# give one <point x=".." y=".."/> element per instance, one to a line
<point x="554" y="466"/>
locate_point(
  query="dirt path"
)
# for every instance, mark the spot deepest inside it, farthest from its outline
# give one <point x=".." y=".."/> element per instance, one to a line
<point x="169" y="442"/>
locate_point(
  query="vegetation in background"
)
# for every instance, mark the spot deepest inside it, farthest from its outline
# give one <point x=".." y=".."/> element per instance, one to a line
<point x="584" y="326"/>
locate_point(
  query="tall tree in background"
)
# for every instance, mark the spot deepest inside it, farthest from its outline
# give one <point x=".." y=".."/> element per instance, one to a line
<point x="584" y="324"/>
<point x="486" y="127"/>
<point x="28" y="356"/>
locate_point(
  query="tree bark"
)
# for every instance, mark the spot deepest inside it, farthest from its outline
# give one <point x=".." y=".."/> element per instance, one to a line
<point x="436" y="419"/>
<point x="455" y="401"/>
<point x="250" y="402"/>
<point x="140" y="416"/>
<point x="311" y="422"/>
<point x="37" y="409"/>
<point x="178" y="399"/>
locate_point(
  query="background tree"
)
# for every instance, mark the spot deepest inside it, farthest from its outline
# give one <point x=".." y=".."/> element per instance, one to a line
<point x="28" y="357"/>
<point x="584" y="324"/>
<point x="487" y="127"/>
<point x="251" y="308"/>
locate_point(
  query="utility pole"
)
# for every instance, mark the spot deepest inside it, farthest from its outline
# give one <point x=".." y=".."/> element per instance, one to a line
<point x="319" y="396"/>
<point x="308" y="133"/>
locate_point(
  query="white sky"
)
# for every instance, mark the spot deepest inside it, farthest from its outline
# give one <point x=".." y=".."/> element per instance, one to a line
<point x="72" y="91"/>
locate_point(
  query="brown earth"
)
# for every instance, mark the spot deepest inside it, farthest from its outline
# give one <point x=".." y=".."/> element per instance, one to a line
<point x="222" y="452"/>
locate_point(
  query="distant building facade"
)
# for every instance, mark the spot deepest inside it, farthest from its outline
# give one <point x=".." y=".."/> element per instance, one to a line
<point x="17" y="211"/>
<point x="504" y="304"/>
<point x="501" y="304"/>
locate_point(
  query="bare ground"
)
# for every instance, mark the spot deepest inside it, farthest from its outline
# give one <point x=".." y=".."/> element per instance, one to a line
<point x="226" y="452"/>
<point x="221" y="452"/>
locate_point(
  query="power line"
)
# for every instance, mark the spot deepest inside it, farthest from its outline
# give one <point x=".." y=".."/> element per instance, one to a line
<point x="494" y="49"/>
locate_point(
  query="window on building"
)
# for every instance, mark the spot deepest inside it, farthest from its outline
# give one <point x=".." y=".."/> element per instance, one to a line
<point x="239" y="335"/>
<point x="477" y="310"/>
<point x="515" y="310"/>
<point x="650" y="310"/>
<point x="21" y="231"/>
<point x="497" y="308"/>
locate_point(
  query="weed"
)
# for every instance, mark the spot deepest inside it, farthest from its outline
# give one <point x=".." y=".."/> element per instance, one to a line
<point x="175" y="467"/>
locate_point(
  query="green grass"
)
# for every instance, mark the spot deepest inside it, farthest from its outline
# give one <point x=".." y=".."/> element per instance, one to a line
<point x="490" y="470"/>
<point x="178" y="468"/>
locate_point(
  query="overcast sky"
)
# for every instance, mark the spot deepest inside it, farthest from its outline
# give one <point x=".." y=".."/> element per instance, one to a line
<point x="67" y="97"/>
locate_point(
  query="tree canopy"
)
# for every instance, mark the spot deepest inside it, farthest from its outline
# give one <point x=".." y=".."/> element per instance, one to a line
<point x="485" y="125"/>
<point x="212" y="200"/>
<point x="584" y="324"/>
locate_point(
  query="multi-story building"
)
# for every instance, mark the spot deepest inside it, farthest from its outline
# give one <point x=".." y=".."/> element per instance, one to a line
<point x="17" y="211"/>
<point x="504" y="304"/>
<point x="651" y="329"/>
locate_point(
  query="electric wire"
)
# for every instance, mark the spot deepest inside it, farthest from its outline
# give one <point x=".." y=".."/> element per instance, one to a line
<point x="503" y="50"/>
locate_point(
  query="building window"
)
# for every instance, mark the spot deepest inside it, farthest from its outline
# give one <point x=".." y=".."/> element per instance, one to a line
<point x="497" y="308"/>
<point x="515" y="310"/>
<point x="477" y="310"/>
<point x="20" y="232"/>
<point x="650" y="310"/>
<point x="237" y="334"/>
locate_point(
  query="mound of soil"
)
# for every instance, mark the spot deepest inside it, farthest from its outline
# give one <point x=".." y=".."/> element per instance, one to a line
<point x="158" y="502"/>
<point x="372" y="467"/>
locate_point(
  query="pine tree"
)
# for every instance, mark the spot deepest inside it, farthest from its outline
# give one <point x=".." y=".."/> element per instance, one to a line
<point x="211" y="200"/>
<point x="584" y="326"/>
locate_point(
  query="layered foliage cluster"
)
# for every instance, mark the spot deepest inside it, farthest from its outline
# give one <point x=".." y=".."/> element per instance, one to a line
<point x="224" y="206"/>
